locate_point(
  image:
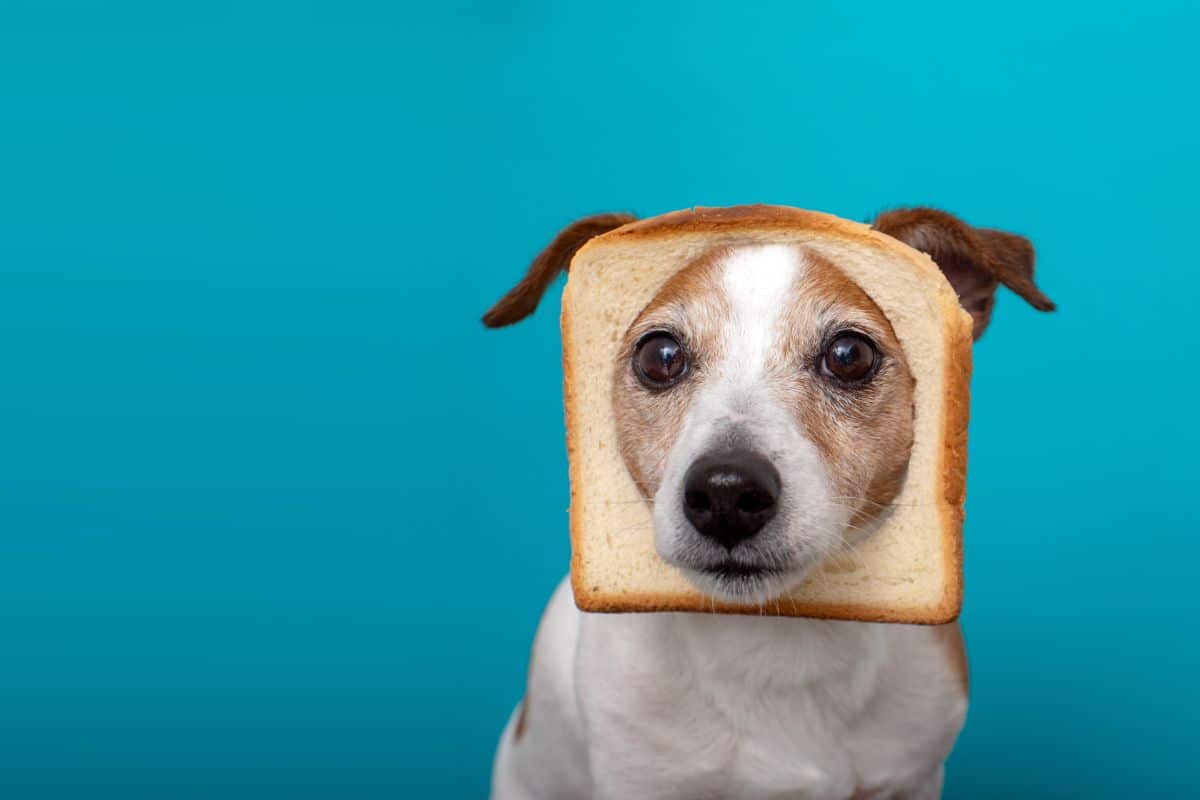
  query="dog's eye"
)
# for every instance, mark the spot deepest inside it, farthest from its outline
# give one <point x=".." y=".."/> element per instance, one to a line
<point x="659" y="360"/>
<point x="850" y="358"/>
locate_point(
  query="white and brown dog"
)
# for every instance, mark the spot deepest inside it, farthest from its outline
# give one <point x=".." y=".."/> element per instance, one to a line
<point x="690" y="706"/>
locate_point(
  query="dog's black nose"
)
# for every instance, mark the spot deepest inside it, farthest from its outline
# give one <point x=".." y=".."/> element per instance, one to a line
<point x="729" y="498"/>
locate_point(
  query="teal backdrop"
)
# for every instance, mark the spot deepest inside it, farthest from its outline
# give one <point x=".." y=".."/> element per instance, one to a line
<point x="277" y="514"/>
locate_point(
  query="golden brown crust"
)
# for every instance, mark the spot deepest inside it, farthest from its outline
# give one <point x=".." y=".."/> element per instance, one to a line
<point x="572" y="461"/>
<point x="954" y="450"/>
<point x="599" y="602"/>
<point x="954" y="456"/>
<point x="759" y="216"/>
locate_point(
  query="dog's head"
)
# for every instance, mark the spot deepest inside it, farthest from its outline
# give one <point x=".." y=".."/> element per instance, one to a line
<point x="764" y="406"/>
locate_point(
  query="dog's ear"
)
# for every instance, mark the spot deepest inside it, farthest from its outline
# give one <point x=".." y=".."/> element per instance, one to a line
<point x="522" y="299"/>
<point x="974" y="260"/>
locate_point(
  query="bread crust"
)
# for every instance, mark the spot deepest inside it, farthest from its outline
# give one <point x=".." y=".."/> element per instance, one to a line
<point x="958" y="332"/>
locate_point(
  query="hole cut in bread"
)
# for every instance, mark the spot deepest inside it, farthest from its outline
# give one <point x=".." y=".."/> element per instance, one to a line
<point x="910" y="570"/>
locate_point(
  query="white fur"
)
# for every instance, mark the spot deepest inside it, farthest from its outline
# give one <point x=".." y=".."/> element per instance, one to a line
<point x="756" y="280"/>
<point x="693" y="706"/>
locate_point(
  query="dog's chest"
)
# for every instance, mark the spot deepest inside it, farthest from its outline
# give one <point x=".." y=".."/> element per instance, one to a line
<point x="760" y="740"/>
<point x="736" y="708"/>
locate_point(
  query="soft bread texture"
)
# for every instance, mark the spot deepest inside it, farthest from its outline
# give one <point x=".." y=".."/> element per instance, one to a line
<point x="910" y="570"/>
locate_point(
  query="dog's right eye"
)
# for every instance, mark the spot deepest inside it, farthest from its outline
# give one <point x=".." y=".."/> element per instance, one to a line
<point x="659" y="360"/>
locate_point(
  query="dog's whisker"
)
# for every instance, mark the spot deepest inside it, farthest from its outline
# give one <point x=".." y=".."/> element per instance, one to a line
<point x="834" y="501"/>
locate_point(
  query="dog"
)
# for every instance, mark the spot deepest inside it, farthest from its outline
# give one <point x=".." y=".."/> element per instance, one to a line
<point x="689" y="706"/>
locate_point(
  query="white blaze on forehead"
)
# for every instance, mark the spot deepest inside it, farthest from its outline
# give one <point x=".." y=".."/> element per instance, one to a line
<point x="756" y="282"/>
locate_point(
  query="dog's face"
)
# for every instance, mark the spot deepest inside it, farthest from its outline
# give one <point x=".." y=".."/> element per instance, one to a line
<point x="764" y="407"/>
<point x="763" y="404"/>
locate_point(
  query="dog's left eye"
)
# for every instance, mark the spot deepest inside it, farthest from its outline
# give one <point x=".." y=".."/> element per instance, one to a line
<point x="850" y="358"/>
<point x="659" y="360"/>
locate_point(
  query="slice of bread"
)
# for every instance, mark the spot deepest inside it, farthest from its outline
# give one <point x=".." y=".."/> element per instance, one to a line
<point x="911" y="569"/>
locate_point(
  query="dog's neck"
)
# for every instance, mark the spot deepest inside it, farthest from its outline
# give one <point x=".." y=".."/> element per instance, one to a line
<point x="783" y="651"/>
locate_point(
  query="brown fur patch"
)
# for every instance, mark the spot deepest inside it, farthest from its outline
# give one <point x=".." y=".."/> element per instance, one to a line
<point x="521" y="300"/>
<point x="692" y="306"/>
<point x="523" y="712"/>
<point x="864" y="434"/>
<point x="974" y="260"/>
<point x="522" y="716"/>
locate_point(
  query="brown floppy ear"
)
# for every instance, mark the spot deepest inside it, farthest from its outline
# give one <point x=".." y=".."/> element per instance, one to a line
<point x="522" y="299"/>
<point x="974" y="260"/>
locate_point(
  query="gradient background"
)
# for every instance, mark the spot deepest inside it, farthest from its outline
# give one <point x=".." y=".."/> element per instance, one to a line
<point x="278" y="516"/>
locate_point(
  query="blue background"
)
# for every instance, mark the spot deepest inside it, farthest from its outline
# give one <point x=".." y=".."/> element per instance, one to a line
<point x="278" y="516"/>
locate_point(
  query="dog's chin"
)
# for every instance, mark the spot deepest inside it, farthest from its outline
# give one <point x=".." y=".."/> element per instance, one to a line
<point x="744" y="584"/>
<point x="756" y="572"/>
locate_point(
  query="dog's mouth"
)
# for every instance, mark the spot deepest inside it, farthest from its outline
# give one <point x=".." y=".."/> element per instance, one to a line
<point x="741" y="582"/>
<point x="734" y="571"/>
